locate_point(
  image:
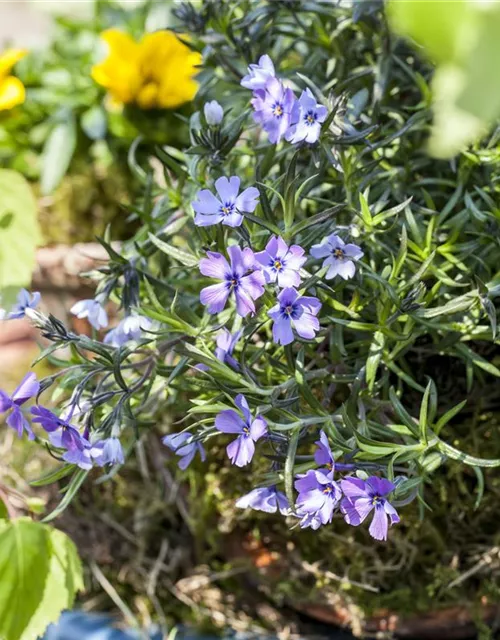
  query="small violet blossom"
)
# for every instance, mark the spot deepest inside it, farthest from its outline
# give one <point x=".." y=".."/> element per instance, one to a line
<point x="227" y="207"/>
<point x="362" y="497"/>
<point x="319" y="494"/>
<point x="280" y="263"/>
<point x="258" y="74"/>
<point x="340" y="257"/>
<point x="241" y="450"/>
<point x="306" y="119"/>
<point x="323" y="454"/>
<point x="184" y="445"/>
<point x="267" y="499"/>
<point x="107" y="451"/>
<point x="226" y="342"/>
<point x="213" y="113"/>
<point x="239" y="278"/>
<point x="128" y="329"/>
<point x="62" y="434"/>
<point x="273" y="108"/>
<point x="28" y="388"/>
<point x="93" y="311"/>
<point x="297" y="312"/>
<point x="24" y="301"/>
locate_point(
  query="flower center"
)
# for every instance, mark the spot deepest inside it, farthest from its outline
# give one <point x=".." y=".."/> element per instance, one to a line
<point x="233" y="282"/>
<point x="338" y="253"/>
<point x="246" y="431"/>
<point x="288" y="310"/>
<point x="328" y="489"/>
<point x="376" y="500"/>
<point x="310" y="117"/>
<point x="278" y="265"/>
<point x="278" y="110"/>
<point x="227" y="209"/>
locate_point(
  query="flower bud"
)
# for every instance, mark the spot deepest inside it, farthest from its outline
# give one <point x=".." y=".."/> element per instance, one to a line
<point x="213" y="113"/>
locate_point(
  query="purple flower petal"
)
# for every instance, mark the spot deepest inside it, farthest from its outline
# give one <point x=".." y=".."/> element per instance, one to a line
<point x="248" y="200"/>
<point x="379" y="486"/>
<point x="241" y="451"/>
<point x="28" y="388"/>
<point x="258" y="428"/>
<point x="215" y="297"/>
<point x="241" y="402"/>
<point x="228" y="421"/>
<point x="206" y="203"/>
<point x="228" y="189"/>
<point x="215" y="266"/>
<point x="378" y="527"/>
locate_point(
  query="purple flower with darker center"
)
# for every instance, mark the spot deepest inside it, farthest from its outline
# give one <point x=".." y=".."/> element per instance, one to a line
<point x="258" y="74"/>
<point x="319" y="494"/>
<point x="24" y="301"/>
<point x="267" y="499"/>
<point x="323" y="455"/>
<point x="107" y="451"/>
<point x="213" y="113"/>
<point x="294" y="310"/>
<point x="93" y="311"/>
<point x="61" y="433"/>
<point x="184" y="445"/>
<point x="340" y="257"/>
<point x="280" y="263"/>
<point x="228" y="207"/>
<point x="306" y="119"/>
<point x="128" y="329"/>
<point x="273" y="108"/>
<point x="240" y="278"/>
<point x="362" y="497"/>
<point x="27" y="389"/>
<point x="241" y="450"/>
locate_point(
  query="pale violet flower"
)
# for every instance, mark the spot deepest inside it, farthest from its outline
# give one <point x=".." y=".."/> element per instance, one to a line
<point x="128" y="329"/>
<point x="24" y="301"/>
<point x="306" y="119"/>
<point x="281" y="263"/>
<point x="93" y="311"/>
<point x="340" y="257"/>
<point x="258" y="74"/>
<point x="228" y="207"/>
<point x="273" y="106"/>
<point x="267" y="499"/>
<point x="213" y="113"/>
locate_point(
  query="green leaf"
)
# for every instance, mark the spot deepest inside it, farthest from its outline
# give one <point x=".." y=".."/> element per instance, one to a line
<point x="19" y="236"/>
<point x="374" y="358"/>
<point x="185" y="258"/>
<point x="94" y="122"/>
<point x="57" y="154"/>
<point x="40" y="573"/>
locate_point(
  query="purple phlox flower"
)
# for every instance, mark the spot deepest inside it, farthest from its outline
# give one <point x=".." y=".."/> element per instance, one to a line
<point x="24" y="301"/>
<point x="339" y="256"/>
<point x="297" y="312"/>
<point x="267" y="499"/>
<point x="241" y="450"/>
<point x="258" y="74"/>
<point x="28" y="388"/>
<point x="319" y="494"/>
<point x="226" y="342"/>
<point x="306" y="119"/>
<point x="323" y="455"/>
<point x="82" y="456"/>
<point x="240" y="278"/>
<point x="273" y="106"/>
<point x="107" y="451"/>
<point x="362" y="497"/>
<point x="93" y="311"/>
<point x="62" y="434"/>
<point x="280" y="263"/>
<point x="213" y="113"/>
<point x="228" y="206"/>
<point x="128" y="329"/>
<point x="184" y="445"/>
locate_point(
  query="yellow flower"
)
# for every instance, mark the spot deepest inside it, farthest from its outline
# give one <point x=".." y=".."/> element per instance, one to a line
<point x="12" y="90"/>
<point x="156" y="72"/>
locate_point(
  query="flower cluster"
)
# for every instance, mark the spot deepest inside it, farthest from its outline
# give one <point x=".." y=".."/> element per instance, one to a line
<point x="277" y="108"/>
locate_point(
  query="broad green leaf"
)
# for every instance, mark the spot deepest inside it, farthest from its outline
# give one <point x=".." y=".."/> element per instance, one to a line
<point x="19" y="234"/>
<point x="40" y="573"/>
<point x="57" y="154"/>
<point x="185" y="258"/>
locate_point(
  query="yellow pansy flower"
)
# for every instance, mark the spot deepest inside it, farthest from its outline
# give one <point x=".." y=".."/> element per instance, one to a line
<point x="156" y="72"/>
<point x="12" y="90"/>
